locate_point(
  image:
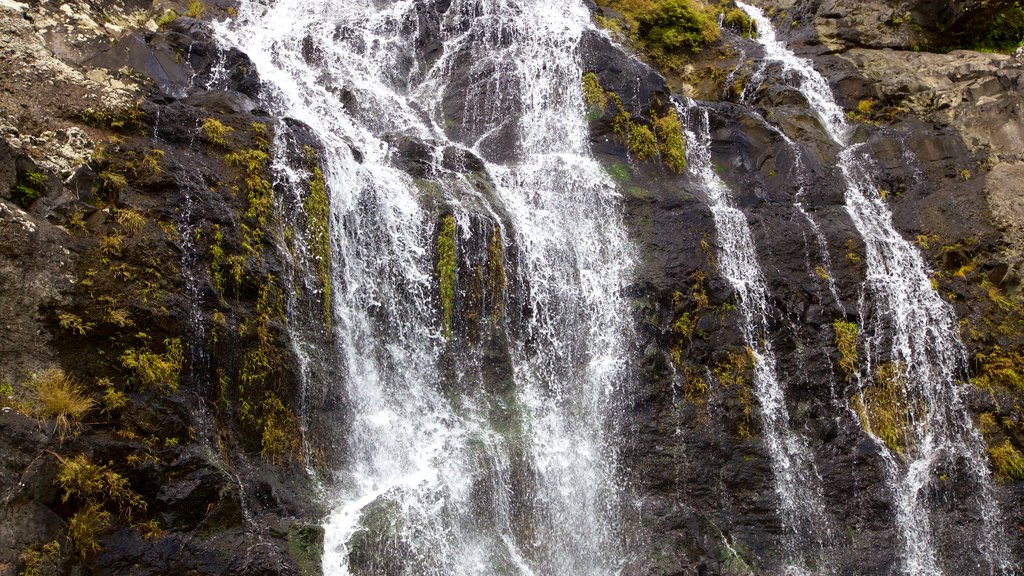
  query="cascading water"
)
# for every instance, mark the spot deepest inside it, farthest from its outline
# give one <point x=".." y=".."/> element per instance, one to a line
<point x="796" y="483"/>
<point x="910" y="335"/>
<point x="434" y="483"/>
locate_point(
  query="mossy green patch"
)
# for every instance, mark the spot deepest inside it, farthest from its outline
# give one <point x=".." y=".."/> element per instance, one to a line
<point x="497" y="278"/>
<point x="884" y="409"/>
<point x="28" y="187"/>
<point x="1007" y="461"/>
<point x="671" y="141"/>
<point x="845" y="334"/>
<point x="317" y="206"/>
<point x="446" y="271"/>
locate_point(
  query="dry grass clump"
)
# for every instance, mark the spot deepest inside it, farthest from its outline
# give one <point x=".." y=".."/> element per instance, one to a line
<point x="60" y="397"/>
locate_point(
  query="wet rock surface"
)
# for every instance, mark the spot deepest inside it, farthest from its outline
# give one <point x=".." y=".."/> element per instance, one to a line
<point x="228" y="486"/>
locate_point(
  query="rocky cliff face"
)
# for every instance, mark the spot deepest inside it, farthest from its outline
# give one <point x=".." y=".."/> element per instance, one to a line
<point x="160" y="286"/>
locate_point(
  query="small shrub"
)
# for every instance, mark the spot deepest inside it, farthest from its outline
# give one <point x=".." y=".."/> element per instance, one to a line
<point x="111" y="244"/>
<point x="676" y="25"/>
<point x="28" y="187"/>
<point x="217" y="132"/>
<point x="119" y="317"/>
<point x="113" y="181"/>
<point x="82" y="480"/>
<point x="999" y="368"/>
<point x="737" y="20"/>
<point x="59" y="397"/>
<point x="195" y="9"/>
<point x="883" y="407"/>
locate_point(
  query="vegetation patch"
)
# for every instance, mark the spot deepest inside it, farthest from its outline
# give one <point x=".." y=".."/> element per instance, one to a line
<point x="667" y="27"/>
<point x="662" y="137"/>
<point x="671" y="141"/>
<point x="261" y="392"/>
<point x="999" y="369"/>
<point x="97" y="489"/>
<point x="28" y="188"/>
<point x="846" y="342"/>
<point x="735" y="372"/>
<point x="884" y="409"/>
<point x="1007" y="461"/>
<point x="40" y="560"/>
<point x="154" y="370"/>
<point x="1000" y="31"/>
<point x="216" y="132"/>
<point x="446" y="271"/>
<point x="738" y="21"/>
<point x="317" y="206"/>
<point x="60" y="397"/>
<point x="497" y="279"/>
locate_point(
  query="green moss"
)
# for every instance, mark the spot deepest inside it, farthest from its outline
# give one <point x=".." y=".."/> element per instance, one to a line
<point x="217" y="261"/>
<point x="1000" y="369"/>
<point x="846" y="342"/>
<point x="317" y="206"/>
<point x="735" y="372"/>
<point x="40" y="560"/>
<point x="28" y="187"/>
<point x="96" y="489"/>
<point x="262" y="408"/>
<point x="642" y="143"/>
<point x="254" y="165"/>
<point x="153" y="370"/>
<point x="446" y="271"/>
<point x="671" y="141"/>
<point x="594" y="94"/>
<point x="619" y="172"/>
<point x="86" y="527"/>
<point x="306" y="547"/>
<point x="167" y="17"/>
<point x="667" y="27"/>
<point x="883" y="407"/>
<point x="216" y="132"/>
<point x="195" y="9"/>
<point x="497" y="279"/>
<point x="1007" y="461"/>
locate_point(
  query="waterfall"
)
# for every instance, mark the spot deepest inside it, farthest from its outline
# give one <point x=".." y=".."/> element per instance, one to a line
<point x="808" y="528"/>
<point x="441" y="474"/>
<point x="911" y="339"/>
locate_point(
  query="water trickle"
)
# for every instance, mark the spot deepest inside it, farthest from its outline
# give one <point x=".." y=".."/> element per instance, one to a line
<point x="442" y="475"/>
<point x="808" y="528"/>
<point x="911" y="335"/>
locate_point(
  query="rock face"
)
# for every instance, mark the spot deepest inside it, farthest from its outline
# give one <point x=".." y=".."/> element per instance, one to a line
<point x="140" y="260"/>
<point x="147" y="252"/>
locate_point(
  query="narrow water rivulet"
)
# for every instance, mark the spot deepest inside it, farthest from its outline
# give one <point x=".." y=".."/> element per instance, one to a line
<point x="912" y="343"/>
<point x="807" y="528"/>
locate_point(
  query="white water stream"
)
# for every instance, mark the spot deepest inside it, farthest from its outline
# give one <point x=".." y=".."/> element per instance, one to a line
<point x="906" y="325"/>
<point x="433" y="484"/>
